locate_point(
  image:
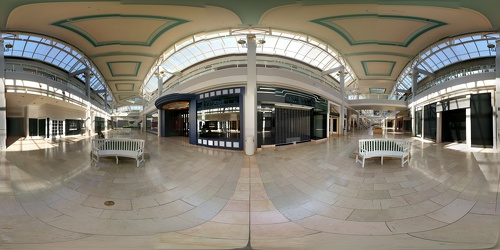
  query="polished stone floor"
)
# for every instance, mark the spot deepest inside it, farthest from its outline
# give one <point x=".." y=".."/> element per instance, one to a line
<point x="305" y="196"/>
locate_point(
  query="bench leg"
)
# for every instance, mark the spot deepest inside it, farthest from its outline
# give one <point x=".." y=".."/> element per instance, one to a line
<point x="116" y="159"/>
<point x="381" y="160"/>
<point x="363" y="164"/>
<point x="95" y="160"/>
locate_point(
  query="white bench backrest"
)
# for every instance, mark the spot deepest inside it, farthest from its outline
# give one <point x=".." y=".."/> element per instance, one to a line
<point x="370" y="145"/>
<point x="118" y="144"/>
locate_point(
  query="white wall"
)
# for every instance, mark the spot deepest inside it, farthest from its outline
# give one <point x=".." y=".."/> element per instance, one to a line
<point x="59" y="113"/>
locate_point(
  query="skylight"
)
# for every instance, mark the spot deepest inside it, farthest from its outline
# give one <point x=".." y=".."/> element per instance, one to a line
<point x="55" y="53"/>
<point x="203" y="47"/>
<point x="445" y="53"/>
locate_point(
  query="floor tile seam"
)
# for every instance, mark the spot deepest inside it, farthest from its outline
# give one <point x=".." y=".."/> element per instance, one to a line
<point x="444" y="241"/>
<point x="455" y="221"/>
<point x="426" y="230"/>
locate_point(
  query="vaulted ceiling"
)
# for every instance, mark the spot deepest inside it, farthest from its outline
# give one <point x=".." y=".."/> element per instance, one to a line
<point x="124" y="38"/>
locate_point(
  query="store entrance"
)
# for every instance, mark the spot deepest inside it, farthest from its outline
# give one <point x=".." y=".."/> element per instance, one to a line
<point x="453" y="126"/>
<point x="177" y="122"/>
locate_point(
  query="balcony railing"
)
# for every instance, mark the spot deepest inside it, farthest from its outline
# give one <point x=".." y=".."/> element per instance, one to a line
<point x="314" y="75"/>
<point x="373" y="96"/>
<point x="477" y="69"/>
<point x="67" y="82"/>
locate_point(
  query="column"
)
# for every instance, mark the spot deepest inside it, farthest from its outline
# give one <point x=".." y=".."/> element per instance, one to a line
<point x="342" y="108"/>
<point x="90" y="117"/>
<point x="3" y="103"/>
<point x="357" y="121"/>
<point x="250" y="98"/>
<point x="468" y="124"/>
<point x="413" y="94"/>
<point x="160" y="114"/>
<point x="439" y="127"/>
<point x="328" y="121"/>
<point x="496" y="108"/>
<point x="396" y="123"/>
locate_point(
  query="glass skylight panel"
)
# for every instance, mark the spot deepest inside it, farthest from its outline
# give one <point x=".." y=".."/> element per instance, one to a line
<point x="295" y="46"/>
<point x="30" y="47"/>
<point x="77" y="66"/>
<point x="314" y="52"/>
<point x="332" y="52"/>
<point x="169" y="66"/>
<point x="470" y="47"/>
<point x="216" y="45"/>
<point x="203" y="47"/>
<point x="60" y="57"/>
<point x="449" y="53"/>
<point x="304" y="50"/>
<point x="465" y="39"/>
<point x="283" y="43"/>
<point x="175" y="59"/>
<point x="188" y="55"/>
<point x="70" y="61"/>
<point x="459" y="49"/>
<point x="442" y="57"/>
<point x="318" y="60"/>
<point x="151" y="85"/>
<point x="34" y="38"/>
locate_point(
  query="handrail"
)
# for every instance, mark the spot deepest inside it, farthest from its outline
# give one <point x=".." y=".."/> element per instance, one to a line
<point x="202" y="70"/>
<point x="260" y="64"/>
<point x="372" y="96"/>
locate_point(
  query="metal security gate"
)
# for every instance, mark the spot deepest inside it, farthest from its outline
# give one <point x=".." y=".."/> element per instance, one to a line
<point x="292" y="125"/>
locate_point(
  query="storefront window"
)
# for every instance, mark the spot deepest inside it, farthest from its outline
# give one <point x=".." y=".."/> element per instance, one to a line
<point x="218" y="120"/>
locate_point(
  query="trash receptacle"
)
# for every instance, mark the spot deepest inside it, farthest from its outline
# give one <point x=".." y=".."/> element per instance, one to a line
<point x="249" y="145"/>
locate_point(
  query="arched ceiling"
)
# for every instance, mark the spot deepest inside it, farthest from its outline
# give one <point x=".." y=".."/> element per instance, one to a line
<point x="124" y="38"/>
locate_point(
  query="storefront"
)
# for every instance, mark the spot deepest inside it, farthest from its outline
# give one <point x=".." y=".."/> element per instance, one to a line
<point x="287" y="116"/>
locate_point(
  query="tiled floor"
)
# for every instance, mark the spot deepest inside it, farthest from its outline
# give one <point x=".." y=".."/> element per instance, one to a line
<point x="304" y="196"/>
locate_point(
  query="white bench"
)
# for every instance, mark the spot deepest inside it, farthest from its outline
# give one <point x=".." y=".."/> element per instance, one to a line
<point x="118" y="147"/>
<point x="396" y="148"/>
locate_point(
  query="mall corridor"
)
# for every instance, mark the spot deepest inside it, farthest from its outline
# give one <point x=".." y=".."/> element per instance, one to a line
<point x="305" y="196"/>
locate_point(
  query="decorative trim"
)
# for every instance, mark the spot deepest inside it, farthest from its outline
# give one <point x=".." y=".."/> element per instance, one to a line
<point x="120" y="86"/>
<point x="170" y="23"/>
<point x="367" y="53"/>
<point x="137" y="66"/>
<point x="329" y="23"/>
<point x="124" y="54"/>
<point x="365" y="67"/>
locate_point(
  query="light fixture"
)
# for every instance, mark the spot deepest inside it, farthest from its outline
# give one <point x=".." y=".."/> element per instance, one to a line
<point x="9" y="45"/>
<point x="491" y="46"/>
<point x="261" y="41"/>
<point x="242" y="42"/>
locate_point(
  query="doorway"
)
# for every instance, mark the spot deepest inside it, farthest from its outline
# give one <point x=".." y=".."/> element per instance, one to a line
<point x="454" y="126"/>
<point x="334" y="125"/>
<point x="177" y="122"/>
